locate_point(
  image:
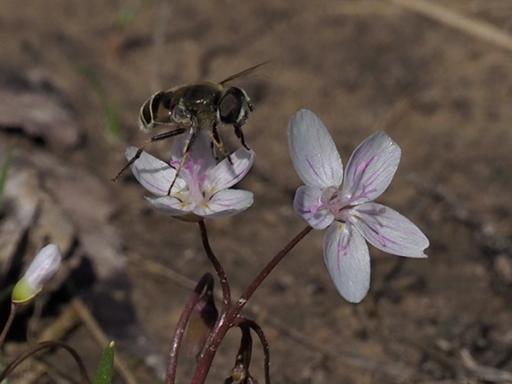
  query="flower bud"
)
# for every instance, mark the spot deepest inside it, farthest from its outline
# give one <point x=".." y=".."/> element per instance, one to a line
<point x="43" y="268"/>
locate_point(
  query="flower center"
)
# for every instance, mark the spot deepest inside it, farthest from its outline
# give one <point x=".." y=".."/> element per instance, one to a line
<point x="193" y="172"/>
<point x="334" y="202"/>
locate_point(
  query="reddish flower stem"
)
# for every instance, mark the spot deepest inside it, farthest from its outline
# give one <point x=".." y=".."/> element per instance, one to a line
<point x="264" y="344"/>
<point x="226" y="292"/>
<point x="228" y="321"/>
<point x="205" y="282"/>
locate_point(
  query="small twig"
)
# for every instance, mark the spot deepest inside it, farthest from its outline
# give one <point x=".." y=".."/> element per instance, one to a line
<point x="33" y="322"/>
<point x="448" y="362"/>
<point x="162" y="270"/>
<point x="226" y="292"/>
<point x="61" y="326"/>
<point x="360" y="8"/>
<point x="205" y="283"/>
<point x="47" y="345"/>
<point x="483" y="372"/>
<point x="44" y="366"/>
<point x="35" y="373"/>
<point x="471" y="26"/>
<point x="8" y="324"/>
<point x="94" y="328"/>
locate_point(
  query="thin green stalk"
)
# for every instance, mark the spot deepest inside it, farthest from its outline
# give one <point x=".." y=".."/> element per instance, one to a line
<point x="4" y="172"/>
<point x="8" y="324"/>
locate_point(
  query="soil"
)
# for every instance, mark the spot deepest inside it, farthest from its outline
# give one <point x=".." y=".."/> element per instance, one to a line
<point x="442" y="94"/>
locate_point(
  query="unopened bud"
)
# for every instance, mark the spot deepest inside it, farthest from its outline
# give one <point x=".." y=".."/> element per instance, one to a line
<point x="43" y="268"/>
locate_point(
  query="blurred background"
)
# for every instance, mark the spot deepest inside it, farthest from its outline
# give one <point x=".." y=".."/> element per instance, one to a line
<point x="434" y="75"/>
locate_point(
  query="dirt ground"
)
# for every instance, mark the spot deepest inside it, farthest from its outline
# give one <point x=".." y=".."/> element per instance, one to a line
<point x="442" y="93"/>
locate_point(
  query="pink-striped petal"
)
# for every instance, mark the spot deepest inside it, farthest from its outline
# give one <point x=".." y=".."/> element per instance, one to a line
<point x="154" y="174"/>
<point x="199" y="155"/>
<point x="226" y="203"/>
<point x="226" y="173"/>
<point x="313" y="151"/>
<point x="308" y="204"/>
<point x="370" y="169"/>
<point x="170" y="205"/>
<point x="348" y="261"/>
<point x="386" y="229"/>
<point x="44" y="266"/>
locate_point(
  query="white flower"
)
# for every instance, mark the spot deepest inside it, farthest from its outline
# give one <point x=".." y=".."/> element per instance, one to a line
<point x="44" y="266"/>
<point x="202" y="188"/>
<point x="344" y="202"/>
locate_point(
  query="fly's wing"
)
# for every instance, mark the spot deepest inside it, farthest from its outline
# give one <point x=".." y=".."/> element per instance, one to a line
<point x="243" y="73"/>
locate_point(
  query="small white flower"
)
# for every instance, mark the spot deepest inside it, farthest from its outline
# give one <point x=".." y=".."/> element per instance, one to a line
<point x="44" y="266"/>
<point x="344" y="202"/>
<point x="202" y="188"/>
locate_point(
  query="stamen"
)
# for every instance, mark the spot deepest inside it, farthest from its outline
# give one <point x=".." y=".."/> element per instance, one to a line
<point x="331" y="198"/>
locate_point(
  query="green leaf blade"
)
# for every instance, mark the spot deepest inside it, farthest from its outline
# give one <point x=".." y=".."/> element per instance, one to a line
<point x="105" y="369"/>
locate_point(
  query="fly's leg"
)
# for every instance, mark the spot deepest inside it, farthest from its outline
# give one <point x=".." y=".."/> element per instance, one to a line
<point x="214" y="151"/>
<point x="219" y="144"/>
<point x="160" y="136"/>
<point x="192" y="135"/>
<point x="240" y="134"/>
<point x="238" y="125"/>
<point x="214" y="139"/>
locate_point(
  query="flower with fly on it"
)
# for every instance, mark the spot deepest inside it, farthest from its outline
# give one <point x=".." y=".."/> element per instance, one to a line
<point x="203" y="187"/>
<point x="343" y="202"/>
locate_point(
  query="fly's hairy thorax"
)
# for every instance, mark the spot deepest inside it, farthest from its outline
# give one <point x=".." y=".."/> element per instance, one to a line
<point x="199" y="99"/>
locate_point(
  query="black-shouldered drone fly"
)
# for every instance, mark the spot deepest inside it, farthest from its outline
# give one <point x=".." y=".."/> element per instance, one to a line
<point x="191" y="108"/>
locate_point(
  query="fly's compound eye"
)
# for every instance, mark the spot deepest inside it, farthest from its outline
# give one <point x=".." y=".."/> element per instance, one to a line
<point x="233" y="106"/>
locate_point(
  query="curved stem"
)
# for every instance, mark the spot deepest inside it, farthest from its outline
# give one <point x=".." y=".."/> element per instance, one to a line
<point x="205" y="282"/>
<point x="47" y="345"/>
<point x="264" y="344"/>
<point x="226" y="292"/>
<point x="8" y="324"/>
<point x="225" y="323"/>
<point x="244" y="355"/>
